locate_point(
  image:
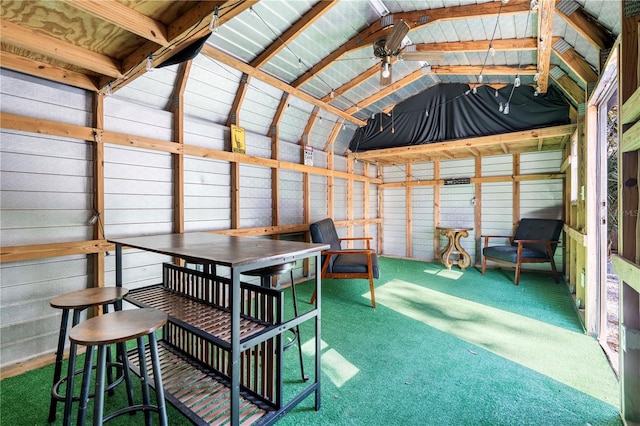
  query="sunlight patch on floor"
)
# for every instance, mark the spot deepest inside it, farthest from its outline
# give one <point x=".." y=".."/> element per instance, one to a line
<point x="336" y="367"/>
<point x="509" y="335"/>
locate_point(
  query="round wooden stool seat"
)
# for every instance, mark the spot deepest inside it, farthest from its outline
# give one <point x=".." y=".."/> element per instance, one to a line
<point x="117" y="327"/>
<point x="89" y="297"/>
<point x="78" y="301"/>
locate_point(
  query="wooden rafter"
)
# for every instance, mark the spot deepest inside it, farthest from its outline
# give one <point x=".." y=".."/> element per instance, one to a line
<point x="279" y="84"/>
<point x="570" y="88"/>
<point x="576" y="63"/>
<point x="478" y="45"/>
<point x="294" y="31"/>
<point x="47" y="71"/>
<point x="234" y="112"/>
<point x="415" y="19"/>
<point x="589" y="28"/>
<point x="416" y="75"/>
<point x="191" y="26"/>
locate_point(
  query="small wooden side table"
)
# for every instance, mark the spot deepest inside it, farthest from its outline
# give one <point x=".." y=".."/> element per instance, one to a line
<point x="453" y="247"/>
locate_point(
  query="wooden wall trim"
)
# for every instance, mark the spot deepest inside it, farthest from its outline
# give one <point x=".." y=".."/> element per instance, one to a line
<point x="42" y="251"/>
<point x="48" y="127"/>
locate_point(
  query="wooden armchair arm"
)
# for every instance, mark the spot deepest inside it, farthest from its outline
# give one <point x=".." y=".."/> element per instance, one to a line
<point x="367" y="239"/>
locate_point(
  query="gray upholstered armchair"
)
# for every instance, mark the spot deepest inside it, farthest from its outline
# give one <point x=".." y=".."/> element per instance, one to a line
<point x="345" y="263"/>
<point x="534" y="241"/>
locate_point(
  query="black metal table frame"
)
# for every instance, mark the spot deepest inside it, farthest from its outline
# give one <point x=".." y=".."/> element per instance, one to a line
<point x="235" y="272"/>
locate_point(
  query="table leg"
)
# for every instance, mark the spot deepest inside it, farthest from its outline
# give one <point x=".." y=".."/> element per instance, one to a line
<point x="445" y="253"/>
<point x="464" y="259"/>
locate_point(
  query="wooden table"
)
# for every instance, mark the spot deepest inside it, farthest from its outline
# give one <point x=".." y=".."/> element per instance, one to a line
<point x="453" y="247"/>
<point x="239" y="254"/>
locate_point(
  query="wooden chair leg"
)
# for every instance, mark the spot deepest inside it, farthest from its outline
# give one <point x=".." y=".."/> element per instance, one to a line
<point x="484" y="265"/>
<point x="555" y="272"/>
<point x="517" y="274"/>
<point x="313" y="298"/>
<point x="373" y="294"/>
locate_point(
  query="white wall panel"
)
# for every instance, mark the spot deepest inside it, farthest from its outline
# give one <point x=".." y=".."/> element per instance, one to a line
<point x="34" y="97"/>
<point x="358" y="200"/>
<point x="541" y="199"/>
<point x="457" y="168"/>
<point x="319" y="198"/>
<point x="540" y="162"/>
<point x="255" y="196"/>
<point x="207" y="199"/>
<point x="423" y="222"/>
<point x="124" y="116"/>
<point x="394" y="227"/>
<point x="46" y="197"/>
<point x="145" y="175"/>
<point x="501" y="165"/>
<point x="291" y="197"/>
<point x="392" y="174"/>
<point x="497" y="209"/>
<point x="339" y="199"/>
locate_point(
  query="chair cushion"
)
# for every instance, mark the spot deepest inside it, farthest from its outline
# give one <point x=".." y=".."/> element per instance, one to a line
<point x="352" y="263"/>
<point x="538" y="229"/>
<point x="510" y="253"/>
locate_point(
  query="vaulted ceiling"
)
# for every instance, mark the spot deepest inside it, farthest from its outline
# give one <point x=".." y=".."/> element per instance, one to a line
<point x="318" y="51"/>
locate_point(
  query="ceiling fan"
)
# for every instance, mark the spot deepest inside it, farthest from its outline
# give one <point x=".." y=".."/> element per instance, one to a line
<point x="389" y="47"/>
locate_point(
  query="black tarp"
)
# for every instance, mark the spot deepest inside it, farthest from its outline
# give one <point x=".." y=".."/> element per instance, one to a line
<point x="448" y="112"/>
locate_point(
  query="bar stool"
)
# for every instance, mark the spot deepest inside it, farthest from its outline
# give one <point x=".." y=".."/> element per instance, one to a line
<point x="120" y="327"/>
<point x="265" y="275"/>
<point x="79" y="301"/>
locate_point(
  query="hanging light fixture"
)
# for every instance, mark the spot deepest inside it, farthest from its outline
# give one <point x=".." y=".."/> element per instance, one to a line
<point x="149" y="65"/>
<point x="385" y="70"/>
<point x="215" y="20"/>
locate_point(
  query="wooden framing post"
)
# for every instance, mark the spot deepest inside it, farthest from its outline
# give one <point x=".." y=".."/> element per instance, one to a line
<point x="98" y="189"/>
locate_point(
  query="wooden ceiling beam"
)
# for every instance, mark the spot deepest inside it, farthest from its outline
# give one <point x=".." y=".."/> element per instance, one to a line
<point x="545" y="39"/>
<point x="191" y="26"/>
<point x="573" y="91"/>
<point x="478" y="45"/>
<point x="24" y="38"/>
<point x="575" y="62"/>
<point x="588" y="27"/>
<point x="416" y="75"/>
<point x="487" y="70"/>
<point x="315" y="13"/>
<point x="354" y="82"/>
<point x="415" y="19"/>
<point x="125" y="18"/>
<point x="217" y="55"/>
<point x="478" y="142"/>
<point x="47" y="71"/>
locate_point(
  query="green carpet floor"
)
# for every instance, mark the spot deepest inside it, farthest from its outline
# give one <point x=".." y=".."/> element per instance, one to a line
<point x="442" y="348"/>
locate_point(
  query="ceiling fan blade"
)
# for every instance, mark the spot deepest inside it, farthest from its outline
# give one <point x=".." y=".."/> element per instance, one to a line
<point x="421" y="56"/>
<point x="400" y="30"/>
<point x="386" y="78"/>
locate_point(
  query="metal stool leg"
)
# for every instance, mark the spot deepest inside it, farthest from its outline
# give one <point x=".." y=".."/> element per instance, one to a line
<point x="305" y="377"/>
<point x="144" y="379"/>
<point x="58" y="368"/>
<point x="98" y="403"/>
<point x="122" y="358"/>
<point x="84" y="388"/>
<point x="157" y="376"/>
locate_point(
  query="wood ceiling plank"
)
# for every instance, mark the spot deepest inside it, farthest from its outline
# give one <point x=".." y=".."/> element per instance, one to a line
<point x="46" y="71"/>
<point x="125" y="18"/>
<point x="24" y="38"/>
